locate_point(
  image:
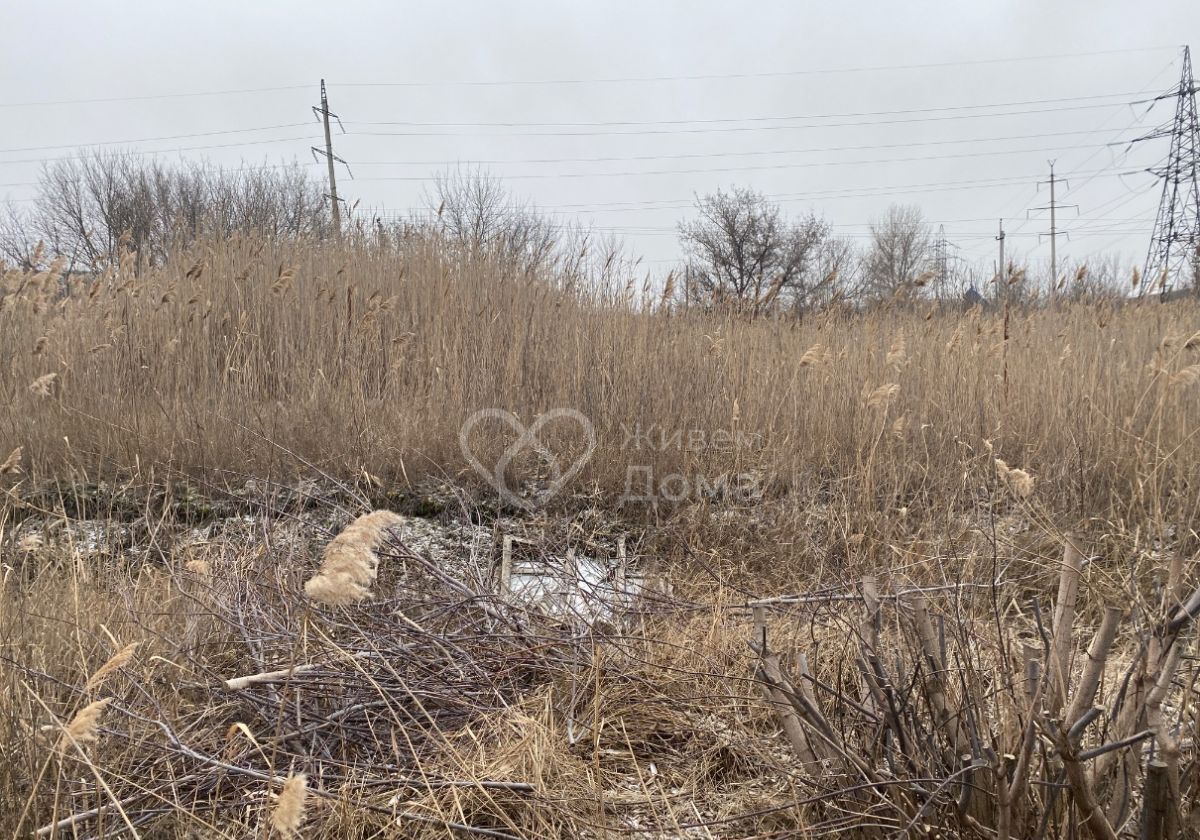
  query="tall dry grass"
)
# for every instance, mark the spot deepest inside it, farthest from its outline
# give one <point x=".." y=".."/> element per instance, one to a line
<point x="249" y="357"/>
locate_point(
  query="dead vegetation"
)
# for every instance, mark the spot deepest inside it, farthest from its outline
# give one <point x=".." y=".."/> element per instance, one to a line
<point x="885" y="639"/>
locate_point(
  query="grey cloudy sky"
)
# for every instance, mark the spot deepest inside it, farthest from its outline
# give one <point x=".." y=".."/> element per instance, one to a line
<point x="790" y="103"/>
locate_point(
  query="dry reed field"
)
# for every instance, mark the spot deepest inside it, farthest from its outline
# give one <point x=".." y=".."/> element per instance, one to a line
<point x="957" y="601"/>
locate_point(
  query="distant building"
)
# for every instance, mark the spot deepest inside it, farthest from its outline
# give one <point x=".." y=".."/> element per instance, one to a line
<point x="972" y="298"/>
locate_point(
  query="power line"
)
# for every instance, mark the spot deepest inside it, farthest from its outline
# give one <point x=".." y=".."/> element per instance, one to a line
<point x="150" y="96"/>
<point x="700" y="155"/>
<point x="757" y="168"/>
<point x="840" y="115"/>
<point x="728" y="129"/>
<point x="1054" y="231"/>
<point x="765" y="75"/>
<point x="177" y="149"/>
<point x="153" y="139"/>
<point x="1115" y="163"/>
<point x="846" y="192"/>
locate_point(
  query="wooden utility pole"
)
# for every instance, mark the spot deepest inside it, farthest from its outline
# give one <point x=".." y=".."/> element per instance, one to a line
<point x="323" y="113"/>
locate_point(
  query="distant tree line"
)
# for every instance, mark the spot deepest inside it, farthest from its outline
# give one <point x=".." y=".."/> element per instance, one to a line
<point x="741" y="250"/>
<point x="85" y="206"/>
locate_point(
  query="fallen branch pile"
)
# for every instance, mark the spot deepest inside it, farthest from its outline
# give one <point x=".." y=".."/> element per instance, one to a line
<point x="363" y="698"/>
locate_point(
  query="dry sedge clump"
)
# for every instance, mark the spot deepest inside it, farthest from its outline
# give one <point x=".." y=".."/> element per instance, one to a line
<point x="288" y="815"/>
<point x="118" y="661"/>
<point x="349" y="563"/>
<point x="82" y="728"/>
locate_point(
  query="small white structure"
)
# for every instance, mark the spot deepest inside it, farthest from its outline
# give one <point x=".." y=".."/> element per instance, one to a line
<point x="579" y="587"/>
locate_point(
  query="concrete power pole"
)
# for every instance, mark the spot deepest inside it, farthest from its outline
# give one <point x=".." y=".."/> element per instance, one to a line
<point x="1001" y="271"/>
<point x="324" y="114"/>
<point x="1054" y="231"/>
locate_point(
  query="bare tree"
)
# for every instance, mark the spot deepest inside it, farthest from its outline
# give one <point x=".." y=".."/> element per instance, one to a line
<point x="474" y="209"/>
<point x="85" y="206"/>
<point x="895" y="264"/>
<point x="743" y="248"/>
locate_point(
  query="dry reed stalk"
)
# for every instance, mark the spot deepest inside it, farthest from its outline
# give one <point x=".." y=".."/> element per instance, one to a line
<point x="349" y="564"/>
<point x="946" y="713"/>
<point x="1093" y="669"/>
<point x="776" y="691"/>
<point x="897" y="357"/>
<point x="1064" y="622"/>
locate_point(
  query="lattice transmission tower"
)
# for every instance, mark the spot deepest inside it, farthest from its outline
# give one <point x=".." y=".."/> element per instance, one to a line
<point x="1175" y="242"/>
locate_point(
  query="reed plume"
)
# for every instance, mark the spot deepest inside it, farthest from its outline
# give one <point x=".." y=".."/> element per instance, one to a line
<point x="883" y="395"/>
<point x="813" y="355"/>
<point x="43" y="386"/>
<point x="1187" y="376"/>
<point x="83" y="727"/>
<point x="898" y="355"/>
<point x="349" y="563"/>
<point x="118" y="661"/>
<point x="288" y="815"/>
<point x="12" y="464"/>
<point x="1017" y="480"/>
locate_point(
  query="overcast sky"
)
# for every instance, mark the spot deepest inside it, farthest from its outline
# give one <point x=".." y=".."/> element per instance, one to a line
<point x="790" y="103"/>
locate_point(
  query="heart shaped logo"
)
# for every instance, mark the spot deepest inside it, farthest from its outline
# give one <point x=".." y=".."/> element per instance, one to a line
<point x="528" y="438"/>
